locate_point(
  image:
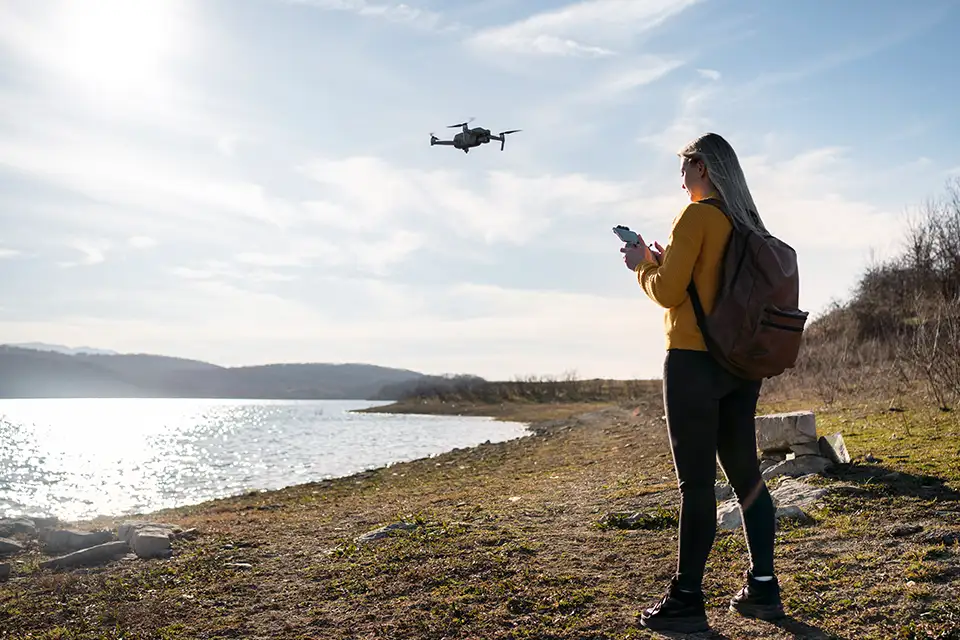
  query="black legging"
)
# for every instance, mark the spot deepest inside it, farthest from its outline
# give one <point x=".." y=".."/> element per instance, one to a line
<point x="710" y="415"/>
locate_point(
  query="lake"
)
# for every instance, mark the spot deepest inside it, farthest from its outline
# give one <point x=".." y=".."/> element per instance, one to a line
<point x="79" y="458"/>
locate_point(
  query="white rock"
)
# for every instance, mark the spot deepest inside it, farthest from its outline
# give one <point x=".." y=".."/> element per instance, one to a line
<point x="777" y="431"/>
<point x="127" y="530"/>
<point x="91" y="556"/>
<point x="796" y="492"/>
<point x="148" y="539"/>
<point x="728" y="515"/>
<point x="795" y="467"/>
<point x="63" y="540"/>
<point x="151" y="543"/>
<point x="789" y="498"/>
<point x="835" y="448"/>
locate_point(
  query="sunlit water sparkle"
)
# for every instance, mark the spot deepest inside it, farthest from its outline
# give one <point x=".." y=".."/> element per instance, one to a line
<point x="79" y="458"/>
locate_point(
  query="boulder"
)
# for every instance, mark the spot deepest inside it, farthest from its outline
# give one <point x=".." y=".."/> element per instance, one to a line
<point x="778" y="431"/>
<point x="795" y="467"/>
<point x="790" y="497"/>
<point x="12" y="526"/>
<point x="98" y="554"/>
<point x="8" y="546"/>
<point x="149" y="539"/>
<point x="65" y="540"/>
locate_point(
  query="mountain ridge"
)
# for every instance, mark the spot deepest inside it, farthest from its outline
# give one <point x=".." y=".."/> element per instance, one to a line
<point x="68" y="372"/>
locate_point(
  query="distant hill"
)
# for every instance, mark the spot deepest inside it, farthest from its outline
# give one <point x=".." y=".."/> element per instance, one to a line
<point x="59" y="348"/>
<point x="49" y="373"/>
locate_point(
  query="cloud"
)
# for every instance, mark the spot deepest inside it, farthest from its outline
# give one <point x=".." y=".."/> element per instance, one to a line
<point x="624" y="78"/>
<point x="393" y="12"/>
<point x="495" y="207"/>
<point x="93" y="252"/>
<point x="141" y="242"/>
<point x="690" y="120"/>
<point x="590" y="28"/>
<point x="6" y="253"/>
<point x="709" y="74"/>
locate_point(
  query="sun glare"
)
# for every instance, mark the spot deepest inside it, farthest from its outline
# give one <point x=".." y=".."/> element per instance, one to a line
<point x="118" y="46"/>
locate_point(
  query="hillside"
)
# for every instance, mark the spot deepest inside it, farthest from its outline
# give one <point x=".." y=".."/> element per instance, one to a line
<point x="32" y="373"/>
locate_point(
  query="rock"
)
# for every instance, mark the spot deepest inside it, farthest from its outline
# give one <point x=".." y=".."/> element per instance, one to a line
<point x="8" y="546"/>
<point x="904" y="530"/>
<point x="834" y="448"/>
<point x="45" y="522"/>
<point x="384" y="531"/>
<point x="728" y="515"/>
<point x="805" y="449"/>
<point x="799" y="466"/>
<point x="793" y="513"/>
<point x="64" y="540"/>
<point x="151" y="543"/>
<point x="796" y="492"/>
<point x="127" y="530"/>
<point x="149" y="539"/>
<point x="12" y="526"/>
<point x="778" y="431"/>
<point x="4" y="571"/>
<point x="723" y="491"/>
<point x="789" y="498"/>
<point x="98" y="554"/>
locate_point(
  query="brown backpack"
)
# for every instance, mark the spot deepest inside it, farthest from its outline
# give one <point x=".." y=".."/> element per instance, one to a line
<point x="755" y="327"/>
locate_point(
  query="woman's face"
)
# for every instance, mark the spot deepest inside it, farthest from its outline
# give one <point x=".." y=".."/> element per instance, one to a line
<point x="695" y="181"/>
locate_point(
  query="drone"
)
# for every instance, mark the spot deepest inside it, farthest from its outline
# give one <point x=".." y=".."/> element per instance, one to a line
<point x="469" y="138"/>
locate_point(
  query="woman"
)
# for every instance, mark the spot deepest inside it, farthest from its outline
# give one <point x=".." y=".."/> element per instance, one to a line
<point x="710" y="412"/>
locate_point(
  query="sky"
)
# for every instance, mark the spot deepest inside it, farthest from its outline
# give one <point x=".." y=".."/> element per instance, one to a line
<point x="251" y="181"/>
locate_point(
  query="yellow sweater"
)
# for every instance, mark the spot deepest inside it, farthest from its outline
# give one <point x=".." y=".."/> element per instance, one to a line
<point x="695" y="248"/>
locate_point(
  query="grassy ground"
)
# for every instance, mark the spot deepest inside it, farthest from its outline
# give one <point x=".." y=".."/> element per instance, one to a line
<point x="508" y="542"/>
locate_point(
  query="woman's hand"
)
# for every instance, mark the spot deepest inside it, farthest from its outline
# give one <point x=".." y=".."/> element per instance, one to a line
<point x="633" y="256"/>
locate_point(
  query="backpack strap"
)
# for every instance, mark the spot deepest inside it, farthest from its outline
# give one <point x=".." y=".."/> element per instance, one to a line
<point x="692" y="288"/>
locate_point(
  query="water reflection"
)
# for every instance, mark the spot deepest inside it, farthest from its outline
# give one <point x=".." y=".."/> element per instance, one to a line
<point x="77" y="458"/>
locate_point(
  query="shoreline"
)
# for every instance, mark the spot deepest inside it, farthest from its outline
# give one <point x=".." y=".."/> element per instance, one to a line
<point x="476" y="411"/>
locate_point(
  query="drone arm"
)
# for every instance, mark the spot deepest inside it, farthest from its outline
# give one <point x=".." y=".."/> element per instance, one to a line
<point x="443" y="142"/>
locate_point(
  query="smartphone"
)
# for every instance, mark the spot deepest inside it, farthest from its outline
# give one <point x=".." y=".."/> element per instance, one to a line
<point x="627" y="236"/>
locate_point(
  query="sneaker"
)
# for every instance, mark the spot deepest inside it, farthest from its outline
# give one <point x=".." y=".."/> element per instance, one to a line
<point x="758" y="599"/>
<point x="676" y="611"/>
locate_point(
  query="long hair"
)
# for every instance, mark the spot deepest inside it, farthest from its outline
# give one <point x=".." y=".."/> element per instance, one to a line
<point x="724" y="172"/>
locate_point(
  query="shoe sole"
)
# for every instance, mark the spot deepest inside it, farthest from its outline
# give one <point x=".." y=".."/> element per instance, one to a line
<point x="769" y="612"/>
<point x="680" y="626"/>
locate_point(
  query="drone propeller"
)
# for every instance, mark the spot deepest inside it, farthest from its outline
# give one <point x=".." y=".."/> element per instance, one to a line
<point x="462" y="124"/>
<point x="503" y="137"/>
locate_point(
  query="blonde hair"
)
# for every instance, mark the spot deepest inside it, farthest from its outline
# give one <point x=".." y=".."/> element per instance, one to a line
<point x="725" y="174"/>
